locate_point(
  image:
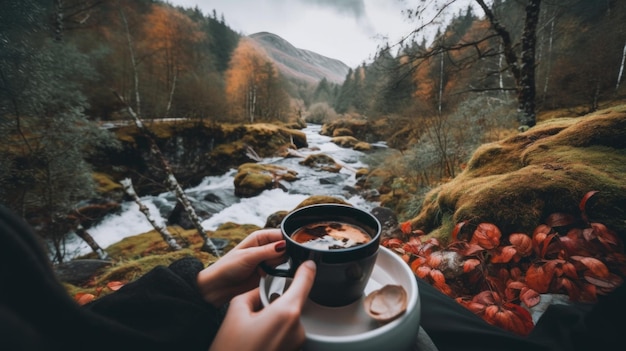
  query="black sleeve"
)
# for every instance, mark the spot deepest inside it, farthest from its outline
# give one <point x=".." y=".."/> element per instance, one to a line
<point x="574" y="327"/>
<point x="160" y="311"/>
<point x="164" y="305"/>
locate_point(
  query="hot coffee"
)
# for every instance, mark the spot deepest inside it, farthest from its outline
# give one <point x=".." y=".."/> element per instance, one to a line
<point x="343" y="242"/>
<point x="330" y="235"/>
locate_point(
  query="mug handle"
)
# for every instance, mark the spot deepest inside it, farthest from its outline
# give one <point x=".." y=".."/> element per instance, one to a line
<point x="277" y="272"/>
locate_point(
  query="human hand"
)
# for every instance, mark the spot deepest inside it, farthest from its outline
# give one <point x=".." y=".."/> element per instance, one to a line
<point x="237" y="271"/>
<point x="276" y="327"/>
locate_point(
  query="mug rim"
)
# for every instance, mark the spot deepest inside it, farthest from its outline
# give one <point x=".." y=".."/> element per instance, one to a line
<point x="375" y="240"/>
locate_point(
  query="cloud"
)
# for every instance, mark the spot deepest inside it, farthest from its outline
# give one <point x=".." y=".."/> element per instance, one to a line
<point x="350" y="7"/>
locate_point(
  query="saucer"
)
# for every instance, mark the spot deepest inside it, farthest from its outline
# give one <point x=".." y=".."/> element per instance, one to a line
<point x="349" y="327"/>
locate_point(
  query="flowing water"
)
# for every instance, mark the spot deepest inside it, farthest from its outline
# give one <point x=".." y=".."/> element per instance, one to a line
<point x="214" y="196"/>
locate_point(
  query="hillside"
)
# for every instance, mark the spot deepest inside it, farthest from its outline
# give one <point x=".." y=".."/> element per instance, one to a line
<point x="297" y="63"/>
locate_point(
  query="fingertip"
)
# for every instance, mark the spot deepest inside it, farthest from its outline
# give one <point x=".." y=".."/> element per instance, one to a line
<point x="310" y="264"/>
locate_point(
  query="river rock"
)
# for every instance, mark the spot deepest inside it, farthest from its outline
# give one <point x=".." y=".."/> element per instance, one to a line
<point x="254" y="178"/>
<point x="322" y="162"/>
<point x="79" y="271"/>
<point x="388" y="221"/>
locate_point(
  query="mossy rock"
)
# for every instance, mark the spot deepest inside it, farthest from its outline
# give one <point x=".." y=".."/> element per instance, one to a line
<point x="253" y="178"/>
<point x="322" y="162"/>
<point x="321" y="199"/>
<point x="518" y="182"/>
<point x="345" y="141"/>
<point x="342" y="132"/>
<point x="362" y="146"/>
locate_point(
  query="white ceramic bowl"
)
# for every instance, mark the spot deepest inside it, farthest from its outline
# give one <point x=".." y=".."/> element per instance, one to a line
<point x="350" y="328"/>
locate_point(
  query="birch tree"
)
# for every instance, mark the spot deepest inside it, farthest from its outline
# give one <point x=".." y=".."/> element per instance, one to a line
<point x="621" y="69"/>
<point x="170" y="179"/>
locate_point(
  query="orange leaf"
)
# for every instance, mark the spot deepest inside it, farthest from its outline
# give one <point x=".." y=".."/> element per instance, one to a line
<point x="522" y="243"/>
<point x="529" y="297"/>
<point x="437" y="277"/>
<point x="604" y="283"/>
<point x="422" y="271"/>
<point x="503" y="254"/>
<point x="417" y="262"/>
<point x="115" y="285"/>
<point x="393" y="243"/>
<point x="84" y="298"/>
<point x="583" y="204"/>
<point x="521" y="322"/>
<point x="406" y="227"/>
<point x="538" y="279"/>
<point x="486" y="235"/>
<point x="470" y="264"/>
<point x="560" y="219"/>
<point x="457" y="229"/>
<point x="597" y="267"/>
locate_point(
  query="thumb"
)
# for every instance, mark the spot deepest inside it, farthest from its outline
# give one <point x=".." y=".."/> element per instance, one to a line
<point x="247" y="302"/>
<point x="298" y="291"/>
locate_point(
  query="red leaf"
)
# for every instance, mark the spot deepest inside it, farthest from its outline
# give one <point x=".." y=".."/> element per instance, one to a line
<point x="486" y="235"/>
<point x="503" y="254"/>
<point x="84" y="298"/>
<point x="560" y="220"/>
<point x="597" y="267"/>
<point x="406" y="227"/>
<point x="609" y="283"/>
<point x="521" y="322"/>
<point x="115" y="285"/>
<point x="538" y="279"/>
<point x="530" y="297"/>
<point x="583" y="204"/>
<point x="522" y="243"/>
<point x="457" y="229"/>
<point x="470" y="264"/>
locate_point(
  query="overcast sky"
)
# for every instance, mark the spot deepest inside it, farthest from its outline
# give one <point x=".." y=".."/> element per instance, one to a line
<point x="347" y="30"/>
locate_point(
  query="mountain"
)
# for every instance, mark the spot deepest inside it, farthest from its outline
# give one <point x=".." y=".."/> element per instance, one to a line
<point x="297" y="63"/>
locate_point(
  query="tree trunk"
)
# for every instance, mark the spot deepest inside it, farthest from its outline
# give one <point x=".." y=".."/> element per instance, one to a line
<point x="172" y="183"/>
<point x="549" y="59"/>
<point x="133" y="62"/>
<point x="621" y="69"/>
<point x="83" y="234"/>
<point x="526" y="86"/>
<point x="169" y="102"/>
<point x="161" y="229"/>
<point x="524" y="71"/>
<point x="58" y="20"/>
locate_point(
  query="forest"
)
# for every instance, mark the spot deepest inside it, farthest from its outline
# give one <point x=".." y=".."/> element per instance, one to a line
<point x="67" y="68"/>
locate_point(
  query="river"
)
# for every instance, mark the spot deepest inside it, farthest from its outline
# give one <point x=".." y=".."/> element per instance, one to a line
<point x="214" y="196"/>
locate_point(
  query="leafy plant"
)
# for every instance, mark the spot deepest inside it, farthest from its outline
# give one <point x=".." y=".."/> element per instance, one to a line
<point x="500" y="278"/>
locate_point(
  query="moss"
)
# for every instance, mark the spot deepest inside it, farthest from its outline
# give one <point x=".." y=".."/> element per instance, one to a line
<point x="342" y="132"/>
<point x="362" y="146"/>
<point x="345" y="141"/>
<point x="105" y="183"/>
<point x="321" y="199"/>
<point x="517" y="182"/>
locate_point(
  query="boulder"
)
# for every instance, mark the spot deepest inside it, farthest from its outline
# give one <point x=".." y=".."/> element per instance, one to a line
<point x="516" y="183"/>
<point x="253" y="178"/>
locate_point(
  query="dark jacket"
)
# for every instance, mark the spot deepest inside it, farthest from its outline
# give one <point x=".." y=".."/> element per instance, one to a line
<point x="160" y="311"/>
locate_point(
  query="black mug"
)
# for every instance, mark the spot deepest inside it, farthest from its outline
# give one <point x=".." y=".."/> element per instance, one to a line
<point x="342" y="270"/>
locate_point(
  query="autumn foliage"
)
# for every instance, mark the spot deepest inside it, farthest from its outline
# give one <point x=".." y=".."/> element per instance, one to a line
<point x="500" y="277"/>
<point x="84" y="298"/>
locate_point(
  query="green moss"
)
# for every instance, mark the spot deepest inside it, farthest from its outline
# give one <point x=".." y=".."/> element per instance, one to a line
<point x="517" y="182"/>
<point x="105" y="183"/>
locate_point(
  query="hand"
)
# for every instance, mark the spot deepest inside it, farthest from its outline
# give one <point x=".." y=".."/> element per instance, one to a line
<point x="276" y="327"/>
<point x="238" y="271"/>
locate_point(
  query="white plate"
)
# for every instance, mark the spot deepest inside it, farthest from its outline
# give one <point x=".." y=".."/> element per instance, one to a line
<point x="349" y="327"/>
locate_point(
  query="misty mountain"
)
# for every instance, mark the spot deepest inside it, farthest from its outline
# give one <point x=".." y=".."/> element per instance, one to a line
<point x="299" y="64"/>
